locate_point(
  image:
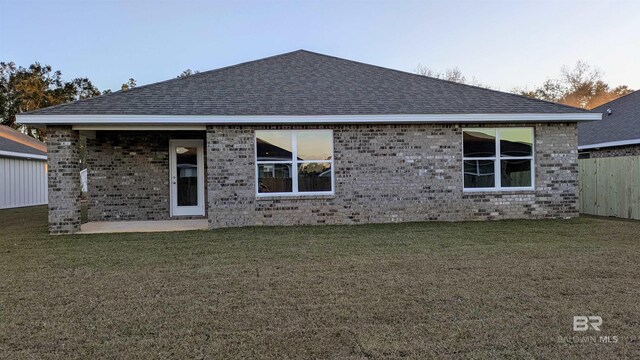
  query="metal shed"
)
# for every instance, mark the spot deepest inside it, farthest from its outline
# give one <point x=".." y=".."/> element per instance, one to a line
<point x="23" y="170"/>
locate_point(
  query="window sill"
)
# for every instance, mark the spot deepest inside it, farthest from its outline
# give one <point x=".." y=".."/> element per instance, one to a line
<point x="295" y="197"/>
<point x="502" y="191"/>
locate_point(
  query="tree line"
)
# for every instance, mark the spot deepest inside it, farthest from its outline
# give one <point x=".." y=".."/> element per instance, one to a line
<point x="579" y="86"/>
<point x="37" y="86"/>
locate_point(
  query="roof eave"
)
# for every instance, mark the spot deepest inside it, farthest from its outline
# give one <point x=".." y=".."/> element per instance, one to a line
<point x="609" y="144"/>
<point x="14" y="154"/>
<point x="303" y="119"/>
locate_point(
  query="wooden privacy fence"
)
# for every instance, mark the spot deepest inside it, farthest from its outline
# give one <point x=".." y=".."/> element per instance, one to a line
<point x="610" y="186"/>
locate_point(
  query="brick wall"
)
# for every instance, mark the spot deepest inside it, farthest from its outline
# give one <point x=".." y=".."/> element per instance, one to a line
<point x="128" y="174"/>
<point x="389" y="173"/>
<point x="556" y="194"/>
<point x="628" y="150"/>
<point x="63" y="158"/>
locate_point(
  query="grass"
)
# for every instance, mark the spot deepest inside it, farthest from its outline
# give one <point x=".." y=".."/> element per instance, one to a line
<point x="505" y="289"/>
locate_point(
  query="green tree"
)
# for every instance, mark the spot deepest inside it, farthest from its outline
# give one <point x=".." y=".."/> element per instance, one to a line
<point x="37" y="86"/>
<point x="581" y="86"/>
<point x="187" y="72"/>
<point x="130" y="84"/>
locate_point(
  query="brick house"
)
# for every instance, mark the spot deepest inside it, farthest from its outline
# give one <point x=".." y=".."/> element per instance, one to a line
<point x="618" y="134"/>
<point x="305" y="138"/>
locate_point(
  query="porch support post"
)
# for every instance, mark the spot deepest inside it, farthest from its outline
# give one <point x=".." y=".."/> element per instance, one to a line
<point x="64" y="179"/>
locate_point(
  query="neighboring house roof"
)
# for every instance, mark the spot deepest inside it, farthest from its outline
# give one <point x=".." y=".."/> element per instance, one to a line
<point x="303" y="83"/>
<point x="16" y="144"/>
<point x="621" y="127"/>
<point x="274" y="152"/>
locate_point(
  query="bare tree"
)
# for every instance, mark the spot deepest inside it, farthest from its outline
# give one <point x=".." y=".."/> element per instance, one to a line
<point x="452" y="74"/>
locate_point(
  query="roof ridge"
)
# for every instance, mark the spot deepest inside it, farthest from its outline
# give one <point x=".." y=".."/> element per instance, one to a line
<point x="448" y="81"/>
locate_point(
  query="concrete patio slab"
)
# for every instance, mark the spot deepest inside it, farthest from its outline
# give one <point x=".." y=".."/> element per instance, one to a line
<point x="101" y="227"/>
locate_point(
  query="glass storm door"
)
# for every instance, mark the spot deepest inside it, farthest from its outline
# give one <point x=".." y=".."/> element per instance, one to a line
<point x="186" y="177"/>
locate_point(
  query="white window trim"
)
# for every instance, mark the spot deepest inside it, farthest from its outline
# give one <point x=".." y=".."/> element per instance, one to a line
<point x="294" y="166"/>
<point x="497" y="159"/>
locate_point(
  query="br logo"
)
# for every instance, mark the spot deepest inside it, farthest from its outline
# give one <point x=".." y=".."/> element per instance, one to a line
<point x="582" y="323"/>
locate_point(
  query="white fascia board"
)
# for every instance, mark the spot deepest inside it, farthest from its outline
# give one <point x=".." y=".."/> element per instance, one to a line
<point x="610" y="144"/>
<point x="22" y="155"/>
<point x="301" y="119"/>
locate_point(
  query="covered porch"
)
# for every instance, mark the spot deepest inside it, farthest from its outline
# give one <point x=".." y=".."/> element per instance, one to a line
<point x="140" y="179"/>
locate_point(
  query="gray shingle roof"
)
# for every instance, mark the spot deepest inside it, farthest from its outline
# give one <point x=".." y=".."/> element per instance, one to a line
<point x="622" y="124"/>
<point x="14" y="141"/>
<point x="304" y="83"/>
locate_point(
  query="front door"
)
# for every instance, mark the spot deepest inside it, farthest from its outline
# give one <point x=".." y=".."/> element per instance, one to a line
<point x="186" y="177"/>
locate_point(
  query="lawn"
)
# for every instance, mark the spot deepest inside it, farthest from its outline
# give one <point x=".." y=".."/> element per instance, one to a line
<point x="447" y="290"/>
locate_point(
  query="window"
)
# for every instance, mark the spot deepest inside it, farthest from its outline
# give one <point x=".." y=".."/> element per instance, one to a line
<point x="497" y="159"/>
<point x="294" y="162"/>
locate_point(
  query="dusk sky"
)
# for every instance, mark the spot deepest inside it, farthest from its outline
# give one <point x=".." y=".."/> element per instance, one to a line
<point x="503" y="44"/>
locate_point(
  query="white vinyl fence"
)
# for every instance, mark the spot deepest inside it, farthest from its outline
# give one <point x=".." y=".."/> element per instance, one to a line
<point x="23" y="182"/>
